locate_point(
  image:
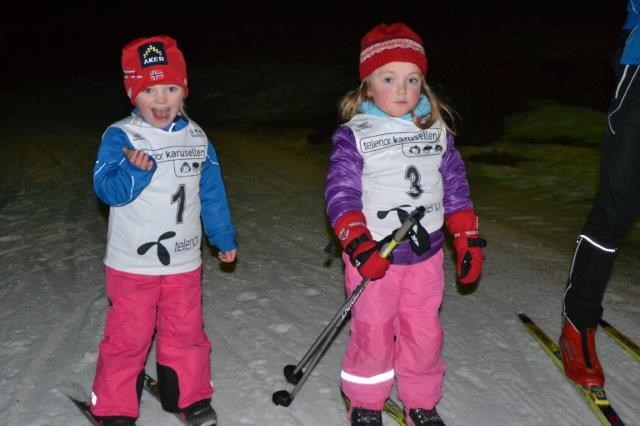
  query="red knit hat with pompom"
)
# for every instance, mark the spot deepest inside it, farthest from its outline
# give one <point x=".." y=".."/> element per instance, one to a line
<point x="152" y="60"/>
<point x="390" y="43"/>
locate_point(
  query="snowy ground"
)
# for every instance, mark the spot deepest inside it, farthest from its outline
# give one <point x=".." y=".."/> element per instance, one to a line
<point x="267" y="311"/>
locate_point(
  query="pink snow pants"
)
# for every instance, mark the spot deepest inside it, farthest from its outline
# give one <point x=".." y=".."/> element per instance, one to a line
<point x="396" y="332"/>
<point x="140" y="304"/>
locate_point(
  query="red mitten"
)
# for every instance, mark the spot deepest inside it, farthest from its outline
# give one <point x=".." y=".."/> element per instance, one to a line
<point x="363" y="251"/>
<point x="463" y="225"/>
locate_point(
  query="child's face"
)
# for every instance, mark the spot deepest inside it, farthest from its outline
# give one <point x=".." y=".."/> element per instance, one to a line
<point x="160" y="104"/>
<point x="395" y="87"/>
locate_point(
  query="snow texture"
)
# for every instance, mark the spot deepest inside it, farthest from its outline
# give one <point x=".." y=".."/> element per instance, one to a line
<point x="266" y="311"/>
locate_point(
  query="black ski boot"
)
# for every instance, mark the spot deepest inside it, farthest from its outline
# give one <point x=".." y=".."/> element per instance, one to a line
<point x="422" y="417"/>
<point x="117" y="421"/>
<point x="200" y="413"/>
<point x="364" y="417"/>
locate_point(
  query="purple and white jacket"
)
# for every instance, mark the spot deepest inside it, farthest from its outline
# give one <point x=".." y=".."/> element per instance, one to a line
<point x="380" y="165"/>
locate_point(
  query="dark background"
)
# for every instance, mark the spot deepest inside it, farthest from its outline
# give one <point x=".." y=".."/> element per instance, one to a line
<point x="486" y="58"/>
<point x="86" y="37"/>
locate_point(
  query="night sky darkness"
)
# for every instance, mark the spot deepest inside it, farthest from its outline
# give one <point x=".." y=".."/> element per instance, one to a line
<point x="45" y="40"/>
<point x="56" y="43"/>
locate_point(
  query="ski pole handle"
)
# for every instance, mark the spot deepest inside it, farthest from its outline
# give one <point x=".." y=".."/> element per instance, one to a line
<point x="319" y="347"/>
<point x="411" y="220"/>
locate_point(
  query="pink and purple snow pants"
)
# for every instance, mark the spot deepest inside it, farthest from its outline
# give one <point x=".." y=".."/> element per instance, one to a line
<point x="396" y="332"/>
<point x="140" y="304"/>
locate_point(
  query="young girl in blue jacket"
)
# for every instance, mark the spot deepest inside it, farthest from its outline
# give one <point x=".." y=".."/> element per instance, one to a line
<point x="160" y="176"/>
<point x="396" y="153"/>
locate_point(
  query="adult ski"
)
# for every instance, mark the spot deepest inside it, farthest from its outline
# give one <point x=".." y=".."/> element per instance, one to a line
<point x="627" y="344"/>
<point x="391" y="407"/>
<point x="151" y="385"/>
<point x="594" y="396"/>
<point x="84" y="409"/>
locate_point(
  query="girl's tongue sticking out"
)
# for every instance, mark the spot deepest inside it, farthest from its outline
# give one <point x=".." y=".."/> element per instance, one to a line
<point x="161" y="114"/>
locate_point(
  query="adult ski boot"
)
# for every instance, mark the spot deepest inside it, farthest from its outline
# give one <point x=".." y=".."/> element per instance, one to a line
<point x="579" y="357"/>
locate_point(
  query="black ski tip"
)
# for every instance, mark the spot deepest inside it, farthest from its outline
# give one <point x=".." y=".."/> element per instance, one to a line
<point x="80" y="403"/>
<point x="523" y="316"/>
<point x="290" y="376"/>
<point x="282" y="397"/>
<point x="83" y="406"/>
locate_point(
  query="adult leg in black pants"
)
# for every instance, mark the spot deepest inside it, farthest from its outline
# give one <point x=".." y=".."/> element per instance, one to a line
<point x="614" y="212"/>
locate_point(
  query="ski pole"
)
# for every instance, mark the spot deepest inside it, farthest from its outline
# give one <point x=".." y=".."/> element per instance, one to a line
<point x="414" y="217"/>
<point x="294" y="374"/>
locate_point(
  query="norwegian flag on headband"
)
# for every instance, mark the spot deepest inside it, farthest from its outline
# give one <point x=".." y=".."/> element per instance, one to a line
<point x="152" y="60"/>
<point x="156" y="75"/>
<point x="152" y="54"/>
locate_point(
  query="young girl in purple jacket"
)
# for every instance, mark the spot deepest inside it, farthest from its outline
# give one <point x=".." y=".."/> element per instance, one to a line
<point x="396" y="153"/>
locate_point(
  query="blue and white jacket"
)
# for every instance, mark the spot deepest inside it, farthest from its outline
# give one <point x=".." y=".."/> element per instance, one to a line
<point x="631" y="52"/>
<point x="155" y="215"/>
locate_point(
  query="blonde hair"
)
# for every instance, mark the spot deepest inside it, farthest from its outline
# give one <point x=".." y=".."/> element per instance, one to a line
<point x="350" y="103"/>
